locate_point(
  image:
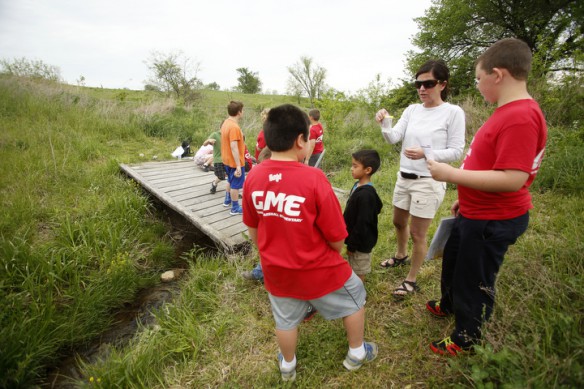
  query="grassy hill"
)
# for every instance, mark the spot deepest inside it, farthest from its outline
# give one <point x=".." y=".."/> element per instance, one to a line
<point x="78" y="240"/>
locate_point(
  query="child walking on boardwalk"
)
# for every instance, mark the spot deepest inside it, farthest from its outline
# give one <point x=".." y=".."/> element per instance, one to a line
<point x="294" y="218"/>
<point x="493" y="198"/>
<point x="361" y="212"/>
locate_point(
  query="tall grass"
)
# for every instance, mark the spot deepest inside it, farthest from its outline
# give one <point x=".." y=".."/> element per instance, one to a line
<point x="73" y="232"/>
<point x="76" y="240"/>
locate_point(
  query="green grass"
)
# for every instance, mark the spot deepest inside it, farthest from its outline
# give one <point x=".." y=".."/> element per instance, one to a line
<point x="77" y="240"/>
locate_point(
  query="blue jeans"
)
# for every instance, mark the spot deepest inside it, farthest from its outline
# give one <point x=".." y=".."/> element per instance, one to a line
<point x="473" y="256"/>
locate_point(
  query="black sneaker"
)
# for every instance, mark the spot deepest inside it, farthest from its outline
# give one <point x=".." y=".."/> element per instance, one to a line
<point x="213" y="188"/>
<point x="205" y="168"/>
<point x="310" y="313"/>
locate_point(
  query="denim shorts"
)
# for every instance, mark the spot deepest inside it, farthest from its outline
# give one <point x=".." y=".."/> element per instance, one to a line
<point x="350" y="298"/>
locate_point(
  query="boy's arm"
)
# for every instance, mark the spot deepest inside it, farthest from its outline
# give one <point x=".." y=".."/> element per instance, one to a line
<point x="253" y="234"/>
<point x="485" y="180"/>
<point x="311" y="144"/>
<point x="337" y="246"/>
<point x="209" y="142"/>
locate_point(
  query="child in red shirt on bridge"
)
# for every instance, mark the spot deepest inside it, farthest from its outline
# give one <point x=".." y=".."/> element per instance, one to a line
<point x="295" y="220"/>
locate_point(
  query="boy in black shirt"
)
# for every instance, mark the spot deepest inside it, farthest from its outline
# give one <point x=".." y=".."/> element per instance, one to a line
<point x="361" y="212"/>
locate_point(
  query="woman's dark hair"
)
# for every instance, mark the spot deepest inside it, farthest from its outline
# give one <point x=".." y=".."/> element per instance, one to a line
<point x="283" y="125"/>
<point x="440" y="72"/>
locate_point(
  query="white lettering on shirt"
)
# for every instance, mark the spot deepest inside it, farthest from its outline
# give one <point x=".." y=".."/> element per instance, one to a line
<point x="278" y="204"/>
<point x="275" y="177"/>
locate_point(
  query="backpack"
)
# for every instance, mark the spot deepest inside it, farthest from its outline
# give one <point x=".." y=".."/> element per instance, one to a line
<point x="187" y="149"/>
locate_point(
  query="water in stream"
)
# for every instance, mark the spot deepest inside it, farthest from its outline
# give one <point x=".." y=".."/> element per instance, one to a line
<point x="129" y="318"/>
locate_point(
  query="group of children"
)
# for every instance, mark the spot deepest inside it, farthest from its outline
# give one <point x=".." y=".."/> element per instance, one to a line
<point x="295" y="220"/>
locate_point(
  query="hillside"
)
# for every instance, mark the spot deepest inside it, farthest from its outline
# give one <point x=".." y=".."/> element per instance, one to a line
<point x="78" y="241"/>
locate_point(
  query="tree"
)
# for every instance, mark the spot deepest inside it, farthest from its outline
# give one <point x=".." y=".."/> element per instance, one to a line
<point x="458" y="30"/>
<point x="212" y="86"/>
<point x="249" y="82"/>
<point x="174" y="74"/>
<point x="37" y="69"/>
<point x="307" y="77"/>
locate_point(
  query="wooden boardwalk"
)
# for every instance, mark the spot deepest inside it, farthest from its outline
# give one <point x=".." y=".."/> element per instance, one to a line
<point x="184" y="187"/>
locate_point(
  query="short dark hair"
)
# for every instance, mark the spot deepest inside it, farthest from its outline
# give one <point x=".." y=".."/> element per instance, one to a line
<point x="315" y="114"/>
<point x="440" y="72"/>
<point x="511" y="54"/>
<point x="283" y="125"/>
<point x="368" y="158"/>
<point x="234" y="107"/>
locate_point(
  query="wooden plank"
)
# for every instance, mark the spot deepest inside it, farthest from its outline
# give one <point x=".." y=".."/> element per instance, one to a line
<point x="184" y="187"/>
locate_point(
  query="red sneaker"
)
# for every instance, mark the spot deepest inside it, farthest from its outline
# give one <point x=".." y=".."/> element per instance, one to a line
<point x="434" y="308"/>
<point x="447" y="347"/>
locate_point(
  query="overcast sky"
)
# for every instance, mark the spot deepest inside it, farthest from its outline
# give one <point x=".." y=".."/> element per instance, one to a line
<point x="107" y="41"/>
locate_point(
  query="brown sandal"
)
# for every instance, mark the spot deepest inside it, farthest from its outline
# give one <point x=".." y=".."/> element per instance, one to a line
<point x="396" y="262"/>
<point x="404" y="288"/>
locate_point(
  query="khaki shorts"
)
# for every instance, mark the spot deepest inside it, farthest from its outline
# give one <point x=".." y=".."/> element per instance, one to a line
<point x="421" y="197"/>
<point x="360" y="262"/>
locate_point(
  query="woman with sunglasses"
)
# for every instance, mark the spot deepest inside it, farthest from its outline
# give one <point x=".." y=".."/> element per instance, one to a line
<point x="435" y="130"/>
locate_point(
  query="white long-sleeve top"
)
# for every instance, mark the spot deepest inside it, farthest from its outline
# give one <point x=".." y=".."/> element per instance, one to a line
<point x="441" y="127"/>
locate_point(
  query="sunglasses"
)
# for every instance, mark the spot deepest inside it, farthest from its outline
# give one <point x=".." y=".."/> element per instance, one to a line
<point x="428" y="84"/>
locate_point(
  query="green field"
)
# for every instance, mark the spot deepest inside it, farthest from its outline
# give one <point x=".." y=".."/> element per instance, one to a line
<point x="78" y="240"/>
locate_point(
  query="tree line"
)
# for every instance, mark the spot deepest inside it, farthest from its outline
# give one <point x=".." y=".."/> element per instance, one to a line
<point x="453" y="30"/>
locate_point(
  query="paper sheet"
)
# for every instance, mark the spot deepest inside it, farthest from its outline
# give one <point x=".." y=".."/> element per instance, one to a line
<point x="439" y="239"/>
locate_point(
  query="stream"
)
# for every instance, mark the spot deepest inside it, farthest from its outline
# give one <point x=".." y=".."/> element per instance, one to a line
<point x="129" y="318"/>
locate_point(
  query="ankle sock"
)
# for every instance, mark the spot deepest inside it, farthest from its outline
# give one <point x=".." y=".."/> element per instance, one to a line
<point x="289" y="365"/>
<point x="235" y="204"/>
<point x="357" y="353"/>
<point x="227" y="197"/>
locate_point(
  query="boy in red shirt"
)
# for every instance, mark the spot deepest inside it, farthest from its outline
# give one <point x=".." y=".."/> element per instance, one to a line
<point x="493" y="198"/>
<point x="295" y="220"/>
<point x="315" y="139"/>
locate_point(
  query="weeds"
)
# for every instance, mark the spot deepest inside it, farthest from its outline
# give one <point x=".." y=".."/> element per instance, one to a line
<point x="77" y="240"/>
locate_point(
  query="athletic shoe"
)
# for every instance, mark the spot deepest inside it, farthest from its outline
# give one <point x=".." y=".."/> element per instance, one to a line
<point x="287" y="374"/>
<point x="352" y="363"/>
<point x="310" y="313"/>
<point x="447" y="347"/>
<point x="213" y="188"/>
<point x="256" y="274"/>
<point x="433" y="307"/>
<point x="236" y="211"/>
<point x="227" y="200"/>
<point x="205" y="168"/>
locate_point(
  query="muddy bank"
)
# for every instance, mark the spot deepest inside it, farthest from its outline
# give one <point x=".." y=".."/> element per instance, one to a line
<point x="137" y="314"/>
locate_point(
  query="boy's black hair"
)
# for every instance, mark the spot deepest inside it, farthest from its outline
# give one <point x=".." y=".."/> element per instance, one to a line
<point x="234" y="107"/>
<point x="315" y="114"/>
<point x="283" y="125"/>
<point x="368" y="158"/>
<point x="440" y="71"/>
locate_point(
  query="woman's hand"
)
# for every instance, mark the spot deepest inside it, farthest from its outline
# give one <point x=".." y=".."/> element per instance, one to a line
<point x="382" y="113"/>
<point x="414" y="152"/>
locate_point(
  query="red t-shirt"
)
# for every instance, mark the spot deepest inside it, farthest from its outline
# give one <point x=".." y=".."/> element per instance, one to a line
<point x="260" y="144"/>
<point x="296" y="213"/>
<point x="316" y="132"/>
<point x="513" y="138"/>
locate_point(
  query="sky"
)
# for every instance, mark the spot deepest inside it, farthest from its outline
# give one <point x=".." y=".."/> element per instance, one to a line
<point x="109" y="42"/>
